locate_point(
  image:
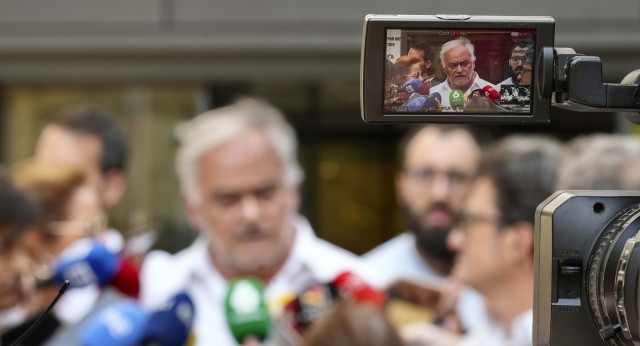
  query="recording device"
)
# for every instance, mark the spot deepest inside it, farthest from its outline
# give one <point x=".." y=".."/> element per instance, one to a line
<point x="86" y="262"/>
<point x="318" y="299"/>
<point x="311" y="304"/>
<point x="513" y="56"/>
<point x="246" y="309"/>
<point x="587" y="261"/>
<point x="587" y="266"/>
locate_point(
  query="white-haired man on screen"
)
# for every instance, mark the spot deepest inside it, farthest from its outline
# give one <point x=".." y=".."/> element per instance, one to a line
<point x="458" y="62"/>
<point x="240" y="177"/>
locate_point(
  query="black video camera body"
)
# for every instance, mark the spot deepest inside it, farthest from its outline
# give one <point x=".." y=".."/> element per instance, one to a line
<point x="587" y="266"/>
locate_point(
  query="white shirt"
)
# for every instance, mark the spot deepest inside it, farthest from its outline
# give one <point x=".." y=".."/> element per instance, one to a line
<point x="398" y="258"/>
<point x="507" y="81"/>
<point x="495" y="333"/>
<point x="312" y="260"/>
<point x="444" y="90"/>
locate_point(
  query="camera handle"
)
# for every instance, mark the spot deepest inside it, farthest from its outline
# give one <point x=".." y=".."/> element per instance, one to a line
<point x="574" y="82"/>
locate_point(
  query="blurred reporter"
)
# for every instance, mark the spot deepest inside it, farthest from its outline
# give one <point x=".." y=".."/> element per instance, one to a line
<point x="73" y="217"/>
<point x="494" y="235"/>
<point x="240" y="177"/>
<point x="18" y="214"/>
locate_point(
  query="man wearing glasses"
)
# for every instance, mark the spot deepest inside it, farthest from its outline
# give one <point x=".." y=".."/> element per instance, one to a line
<point x="438" y="167"/>
<point x="494" y="235"/>
<point x="458" y="62"/>
<point x="520" y="62"/>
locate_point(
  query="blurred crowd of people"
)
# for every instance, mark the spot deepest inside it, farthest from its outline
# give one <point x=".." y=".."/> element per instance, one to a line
<point x="462" y="273"/>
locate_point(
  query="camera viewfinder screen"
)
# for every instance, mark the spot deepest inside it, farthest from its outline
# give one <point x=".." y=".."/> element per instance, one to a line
<point x="466" y="71"/>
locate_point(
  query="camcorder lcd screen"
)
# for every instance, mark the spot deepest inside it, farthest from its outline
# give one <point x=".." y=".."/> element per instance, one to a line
<point x="439" y="71"/>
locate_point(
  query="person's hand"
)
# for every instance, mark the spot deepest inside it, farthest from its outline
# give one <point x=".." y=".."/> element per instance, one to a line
<point x="426" y="334"/>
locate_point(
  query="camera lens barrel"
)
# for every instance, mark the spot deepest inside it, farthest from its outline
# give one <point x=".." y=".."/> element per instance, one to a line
<point x="613" y="278"/>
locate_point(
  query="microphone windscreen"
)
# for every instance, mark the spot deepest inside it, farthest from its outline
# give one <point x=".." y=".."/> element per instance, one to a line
<point x="314" y="302"/>
<point x="493" y="94"/>
<point x="291" y="315"/>
<point x="424" y="89"/>
<point x="411" y="86"/>
<point x="246" y="309"/>
<point x="456" y="99"/>
<point x="433" y="101"/>
<point x="127" y="278"/>
<point x="121" y="324"/>
<point x="86" y="262"/>
<point x="349" y="285"/>
<point x="474" y="93"/>
<point x="416" y="104"/>
<point x="171" y="324"/>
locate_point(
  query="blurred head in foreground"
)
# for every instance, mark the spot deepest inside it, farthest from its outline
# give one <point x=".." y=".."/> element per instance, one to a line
<point x="494" y="234"/>
<point x="352" y="324"/>
<point x="18" y="214"/>
<point x="72" y="208"/>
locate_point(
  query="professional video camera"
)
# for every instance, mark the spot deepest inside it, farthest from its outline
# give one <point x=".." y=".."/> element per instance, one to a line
<point x="587" y="243"/>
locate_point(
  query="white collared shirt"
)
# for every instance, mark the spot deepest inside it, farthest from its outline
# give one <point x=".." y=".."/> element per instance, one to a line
<point x="398" y="258"/>
<point x="495" y="333"/>
<point x="312" y="260"/>
<point x="444" y="90"/>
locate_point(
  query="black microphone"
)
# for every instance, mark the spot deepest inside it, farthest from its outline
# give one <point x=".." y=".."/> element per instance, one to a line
<point x="37" y="322"/>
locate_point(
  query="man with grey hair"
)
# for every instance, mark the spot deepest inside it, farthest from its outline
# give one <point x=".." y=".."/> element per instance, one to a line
<point x="240" y="179"/>
<point x="601" y="162"/>
<point x="458" y="62"/>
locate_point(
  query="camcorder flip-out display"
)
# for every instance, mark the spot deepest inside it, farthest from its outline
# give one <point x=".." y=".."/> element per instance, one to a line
<point x="478" y="69"/>
<point x="505" y="70"/>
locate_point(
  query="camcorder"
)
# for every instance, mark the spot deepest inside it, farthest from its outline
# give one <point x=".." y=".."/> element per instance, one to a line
<point x="512" y="74"/>
<point x="505" y="70"/>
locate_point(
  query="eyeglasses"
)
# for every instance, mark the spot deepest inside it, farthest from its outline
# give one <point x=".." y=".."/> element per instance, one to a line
<point x="464" y="221"/>
<point x="523" y="59"/>
<point x="425" y="177"/>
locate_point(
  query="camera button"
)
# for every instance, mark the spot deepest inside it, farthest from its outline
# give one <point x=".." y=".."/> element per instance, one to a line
<point x="453" y="16"/>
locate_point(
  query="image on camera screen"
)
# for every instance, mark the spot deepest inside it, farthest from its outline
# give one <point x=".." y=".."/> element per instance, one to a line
<point x="467" y="71"/>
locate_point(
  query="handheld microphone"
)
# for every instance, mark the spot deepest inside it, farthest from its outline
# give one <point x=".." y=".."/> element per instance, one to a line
<point x="86" y="262"/>
<point x="491" y="92"/>
<point x="171" y="324"/>
<point x="416" y="105"/>
<point x="121" y="324"/>
<point x="351" y="286"/>
<point x="456" y="100"/>
<point x="127" y="278"/>
<point x="314" y="302"/>
<point x="246" y="309"/>
<point x="37" y="322"/>
<point x="433" y="101"/>
<point x="412" y="86"/>
<point x="475" y="93"/>
<point x="424" y="89"/>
